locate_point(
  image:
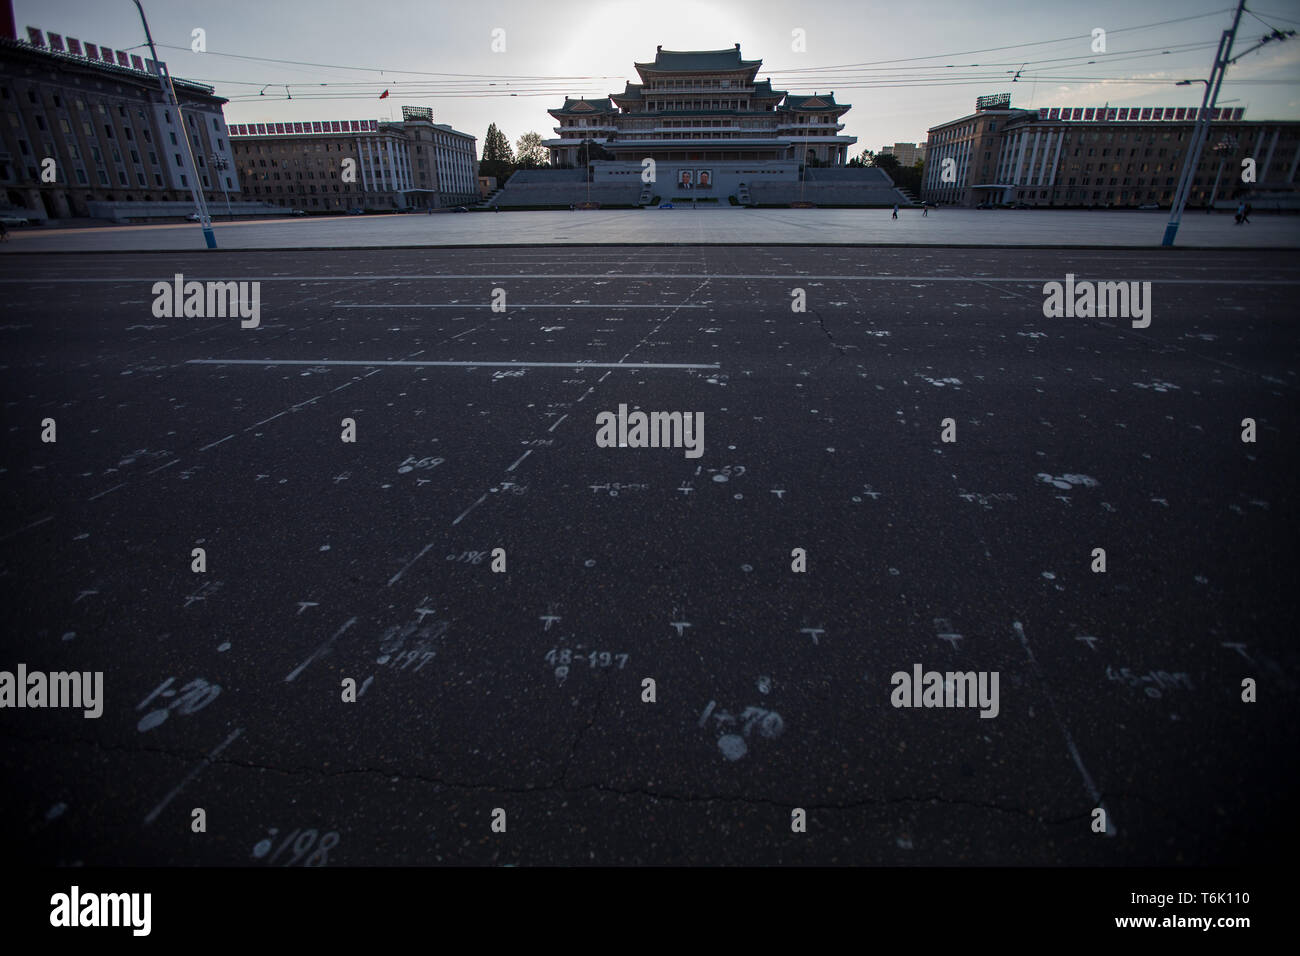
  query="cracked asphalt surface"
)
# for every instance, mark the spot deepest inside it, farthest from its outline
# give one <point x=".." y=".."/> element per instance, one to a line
<point x="522" y="690"/>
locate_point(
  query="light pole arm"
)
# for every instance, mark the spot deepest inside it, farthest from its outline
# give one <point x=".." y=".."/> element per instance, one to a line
<point x="169" y="97"/>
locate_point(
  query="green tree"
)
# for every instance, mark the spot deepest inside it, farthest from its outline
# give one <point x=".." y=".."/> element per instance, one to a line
<point x="590" y="151"/>
<point x="886" y="161"/>
<point x="529" y="151"/>
<point x="498" y="160"/>
<point x="496" y="148"/>
<point x="909" y="177"/>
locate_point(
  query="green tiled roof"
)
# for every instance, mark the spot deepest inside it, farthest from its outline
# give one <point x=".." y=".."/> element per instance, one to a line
<point x="675" y="61"/>
<point x="595" y="104"/>
<point x="632" y="91"/>
<point x="793" y="102"/>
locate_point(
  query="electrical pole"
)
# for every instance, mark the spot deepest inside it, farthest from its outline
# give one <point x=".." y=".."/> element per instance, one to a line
<point x="1201" y="130"/>
<point x="1226" y="145"/>
<point x="169" y="97"/>
<point x="220" y="165"/>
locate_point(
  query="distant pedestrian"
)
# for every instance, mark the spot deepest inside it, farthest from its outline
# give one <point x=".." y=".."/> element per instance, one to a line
<point x="895" y="215"/>
<point x="925" y="210"/>
<point x="1245" y="213"/>
<point x="4" y="232"/>
<point x="1241" y="212"/>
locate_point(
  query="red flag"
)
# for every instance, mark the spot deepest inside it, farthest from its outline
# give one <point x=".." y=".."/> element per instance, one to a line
<point x="383" y="94"/>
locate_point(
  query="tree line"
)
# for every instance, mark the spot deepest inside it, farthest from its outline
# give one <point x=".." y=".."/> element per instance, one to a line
<point x="501" y="161"/>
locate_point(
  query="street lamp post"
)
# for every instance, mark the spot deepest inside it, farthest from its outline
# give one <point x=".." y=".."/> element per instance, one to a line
<point x="220" y="164"/>
<point x="169" y="97"/>
<point x="1225" y="146"/>
<point x="1222" y="60"/>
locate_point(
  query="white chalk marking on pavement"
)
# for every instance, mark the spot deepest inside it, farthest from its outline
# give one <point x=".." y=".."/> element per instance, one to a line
<point x="410" y="364"/>
<point x="396" y="577"/>
<point x="216" y="443"/>
<point x="110" y="490"/>
<point x="1093" y="792"/>
<point x="153" y="814"/>
<point x="471" y="508"/>
<point x="521" y="458"/>
<point x="521" y="305"/>
<point x="557" y="421"/>
<point x="657" y="275"/>
<point x="320" y="650"/>
<point x="28" y="528"/>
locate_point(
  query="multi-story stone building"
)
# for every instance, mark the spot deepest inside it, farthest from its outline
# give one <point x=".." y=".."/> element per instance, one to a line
<point x="907" y="154"/>
<point x="83" y="126"/>
<point x="708" y="123"/>
<point x="1102" y="156"/>
<point x="337" y="165"/>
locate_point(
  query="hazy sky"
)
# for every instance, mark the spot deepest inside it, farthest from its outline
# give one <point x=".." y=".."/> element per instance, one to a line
<point x="555" y="48"/>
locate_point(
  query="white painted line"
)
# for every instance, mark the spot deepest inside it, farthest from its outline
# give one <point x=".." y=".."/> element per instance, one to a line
<point x="410" y="364"/>
<point x="216" y="443"/>
<point x="470" y="508"/>
<point x="396" y="577"/>
<point x="28" y="528"/>
<point x="1093" y="792"/>
<point x="557" y="422"/>
<point x="501" y="276"/>
<point x="110" y="491"/>
<point x="161" y="467"/>
<point x="521" y="458"/>
<point x="320" y="650"/>
<point x="522" y="305"/>
<point x="153" y="814"/>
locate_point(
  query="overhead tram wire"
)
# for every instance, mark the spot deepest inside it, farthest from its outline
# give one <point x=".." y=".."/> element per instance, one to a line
<point x="780" y="72"/>
<point x="464" y="85"/>
<point x="994" y="49"/>
<point x="342" y="90"/>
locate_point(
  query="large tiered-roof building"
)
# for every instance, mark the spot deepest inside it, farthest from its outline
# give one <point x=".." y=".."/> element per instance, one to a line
<point x="706" y="117"/>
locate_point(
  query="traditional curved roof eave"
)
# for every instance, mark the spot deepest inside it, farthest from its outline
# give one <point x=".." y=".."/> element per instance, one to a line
<point x="698" y="60"/>
<point x="598" y="105"/>
<point x="797" y="101"/>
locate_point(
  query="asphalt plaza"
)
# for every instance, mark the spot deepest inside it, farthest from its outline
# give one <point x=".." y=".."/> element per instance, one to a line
<point x="477" y="430"/>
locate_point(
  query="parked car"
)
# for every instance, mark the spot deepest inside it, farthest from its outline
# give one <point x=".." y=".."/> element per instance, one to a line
<point x="1021" y="205"/>
<point x="461" y="209"/>
<point x="193" y="217"/>
<point x="1149" y="205"/>
<point x="986" y="204"/>
<point x="11" y="220"/>
<point x="297" y="212"/>
<point x="356" y="211"/>
<point x="665" y="205"/>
